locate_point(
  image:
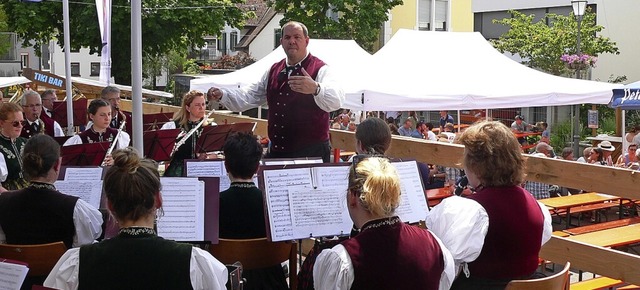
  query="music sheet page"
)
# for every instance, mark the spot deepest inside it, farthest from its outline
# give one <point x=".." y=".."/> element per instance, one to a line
<point x="12" y="275"/>
<point x="88" y="190"/>
<point x="83" y="174"/>
<point x="277" y="186"/>
<point x="413" y="207"/>
<point x="212" y="169"/>
<point x="183" y="204"/>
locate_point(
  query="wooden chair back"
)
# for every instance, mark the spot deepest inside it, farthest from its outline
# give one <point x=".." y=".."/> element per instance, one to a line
<point x="41" y="258"/>
<point x="257" y="253"/>
<point x="558" y="281"/>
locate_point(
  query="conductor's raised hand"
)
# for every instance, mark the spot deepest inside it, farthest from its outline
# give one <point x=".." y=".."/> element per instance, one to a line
<point x="304" y="84"/>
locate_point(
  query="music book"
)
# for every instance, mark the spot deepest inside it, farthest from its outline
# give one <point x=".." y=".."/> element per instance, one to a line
<point x="79" y="112"/>
<point x="12" y="273"/>
<point x="158" y="144"/>
<point x="191" y="209"/>
<point x="210" y="168"/>
<point x="85" y="182"/>
<point x="88" y="154"/>
<point x="304" y="201"/>
<point x="212" y="138"/>
<point x="62" y="139"/>
<point x="291" y="161"/>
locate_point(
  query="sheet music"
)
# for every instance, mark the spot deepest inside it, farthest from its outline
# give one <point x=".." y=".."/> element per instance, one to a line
<point x="277" y="185"/>
<point x="88" y="190"/>
<point x="212" y="169"/>
<point x="336" y="177"/>
<point x="12" y="275"/>
<point x="83" y="173"/>
<point x="413" y="206"/>
<point x="319" y="212"/>
<point x="183" y="204"/>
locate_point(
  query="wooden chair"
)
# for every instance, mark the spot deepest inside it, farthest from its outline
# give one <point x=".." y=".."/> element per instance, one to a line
<point x="258" y="253"/>
<point x="558" y="281"/>
<point x="41" y="258"/>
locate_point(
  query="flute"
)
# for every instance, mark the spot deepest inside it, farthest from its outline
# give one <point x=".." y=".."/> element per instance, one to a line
<point x="115" y="139"/>
<point x="193" y="130"/>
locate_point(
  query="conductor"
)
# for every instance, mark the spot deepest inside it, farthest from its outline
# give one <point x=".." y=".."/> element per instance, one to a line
<point x="300" y="91"/>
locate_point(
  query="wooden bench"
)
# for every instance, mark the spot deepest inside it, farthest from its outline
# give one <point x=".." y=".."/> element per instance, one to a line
<point x="600" y="226"/>
<point x="586" y="208"/>
<point x="596" y="283"/>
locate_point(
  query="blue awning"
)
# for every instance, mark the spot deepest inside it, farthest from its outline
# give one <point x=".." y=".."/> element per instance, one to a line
<point x="627" y="98"/>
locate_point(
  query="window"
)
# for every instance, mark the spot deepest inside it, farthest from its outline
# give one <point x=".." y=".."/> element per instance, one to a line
<point x="432" y="15"/>
<point x="233" y="40"/>
<point x="222" y="43"/>
<point x="277" y="34"/>
<point x="424" y="15"/>
<point x="24" y="60"/>
<point x="75" y="69"/>
<point x="442" y="7"/>
<point x="95" y="69"/>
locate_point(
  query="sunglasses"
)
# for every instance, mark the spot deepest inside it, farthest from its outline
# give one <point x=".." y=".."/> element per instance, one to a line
<point x="18" y="123"/>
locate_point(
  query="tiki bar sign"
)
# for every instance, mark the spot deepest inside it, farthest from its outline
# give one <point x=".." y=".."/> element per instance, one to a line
<point x="44" y="78"/>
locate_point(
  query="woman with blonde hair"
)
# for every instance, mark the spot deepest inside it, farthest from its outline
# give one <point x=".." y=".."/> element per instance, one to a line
<point x="136" y="258"/>
<point x="191" y="113"/>
<point x="11" y="146"/>
<point x="387" y="253"/>
<point x="496" y="233"/>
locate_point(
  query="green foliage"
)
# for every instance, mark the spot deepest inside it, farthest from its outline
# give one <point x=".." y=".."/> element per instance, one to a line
<point x="360" y="20"/>
<point x="191" y="67"/>
<point x="154" y="66"/>
<point x="5" y="44"/>
<point x="560" y="135"/>
<point x="163" y="30"/>
<point x="542" y="45"/>
<point x="606" y="126"/>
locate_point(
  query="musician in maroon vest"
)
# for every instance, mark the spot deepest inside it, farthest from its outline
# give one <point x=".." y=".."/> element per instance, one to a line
<point x="36" y="122"/>
<point x="387" y="253"/>
<point x="300" y="91"/>
<point x="495" y="234"/>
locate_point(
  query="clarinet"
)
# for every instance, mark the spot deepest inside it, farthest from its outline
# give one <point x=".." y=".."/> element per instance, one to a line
<point x="115" y="139"/>
<point x="193" y="130"/>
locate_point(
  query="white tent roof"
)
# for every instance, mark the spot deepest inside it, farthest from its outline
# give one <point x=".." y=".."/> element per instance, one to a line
<point x="11" y="81"/>
<point x="460" y="70"/>
<point x="341" y="55"/>
<point x="87" y="84"/>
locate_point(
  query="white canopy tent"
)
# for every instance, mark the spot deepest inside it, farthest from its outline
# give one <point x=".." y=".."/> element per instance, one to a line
<point x="12" y="81"/>
<point x="342" y="55"/>
<point x="459" y="71"/>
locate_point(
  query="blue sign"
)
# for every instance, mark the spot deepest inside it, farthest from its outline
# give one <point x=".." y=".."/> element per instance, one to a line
<point x="627" y="98"/>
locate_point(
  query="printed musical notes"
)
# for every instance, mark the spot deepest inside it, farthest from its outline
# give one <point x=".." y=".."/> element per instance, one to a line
<point x="183" y="205"/>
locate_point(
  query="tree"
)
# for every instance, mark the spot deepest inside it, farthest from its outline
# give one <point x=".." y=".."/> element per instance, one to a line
<point x="166" y="26"/>
<point x="360" y="20"/>
<point x="541" y="45"/>
<point x="5" y="43"/>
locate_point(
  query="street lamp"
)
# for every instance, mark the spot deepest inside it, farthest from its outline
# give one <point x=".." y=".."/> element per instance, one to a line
<point x="579" y="7"/>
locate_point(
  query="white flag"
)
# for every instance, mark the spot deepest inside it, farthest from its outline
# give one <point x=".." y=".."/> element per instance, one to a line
<point x="104" y="20"/>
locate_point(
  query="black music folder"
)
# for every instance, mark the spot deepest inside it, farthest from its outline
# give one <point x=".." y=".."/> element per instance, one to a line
<point x="89" y="154"/>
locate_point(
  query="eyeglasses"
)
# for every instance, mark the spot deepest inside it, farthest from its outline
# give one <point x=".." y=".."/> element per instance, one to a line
<point x="33" y="106"/>
<point x="18" y="124"/>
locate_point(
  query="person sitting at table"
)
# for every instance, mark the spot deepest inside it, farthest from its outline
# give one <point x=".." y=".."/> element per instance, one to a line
<point x="387" y="253"/>
<point x="136" y="258"/>
<point x="99" y="131"/>
<point x="496" y="233"/>
<point x="629" y="157"/>
<point x="241" y="206"/>
<point x="607" y="150"/>
<point x="11" y="146"/>
<point x="191" y="113"/>
<point x="585" y="155"/>
<point x="520" y="126"/>
<point x="595" y="157"/>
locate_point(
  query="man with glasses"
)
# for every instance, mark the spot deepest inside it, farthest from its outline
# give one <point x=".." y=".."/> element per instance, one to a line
<point x="34" y="124"/>
<point x="111" y="95"/>
<point x="48" y="97"/>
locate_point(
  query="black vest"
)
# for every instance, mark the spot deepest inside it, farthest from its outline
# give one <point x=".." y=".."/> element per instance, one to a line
<point x="140" y="261"/>
<point x="37" y="216"/>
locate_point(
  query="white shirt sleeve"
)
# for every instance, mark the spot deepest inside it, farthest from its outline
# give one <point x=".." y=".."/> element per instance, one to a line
<point x="207" y="272"/>
<point x="547" y="228"/>
<point x="89" y="124"/>
<point x="330" y="98"/>
<point x="333" y="270"/>
<point x="74" y="140"/>
<point x="64" y="275"/>
<point x="168" y="125"/>
<point x="449" y="272"/>
<point x="88" y="223"/>
<point x="4" y="172"/>
<point x="462" y="225"/>
<point x="57" y="130"/>
<point x="123" y="140"/>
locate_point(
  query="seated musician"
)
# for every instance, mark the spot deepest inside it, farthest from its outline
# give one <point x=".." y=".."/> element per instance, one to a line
<point x="136" y="258"/>
<point x="99" y="130"/>
<point x="495" y="234"/>
<point x="39" y="214"/>
<point x="387" y="253"/>
<point x="36" y="121"/>
<point x="241" y="206"/>
<point x="11" y="145"/>
<point x="191" y="113"/>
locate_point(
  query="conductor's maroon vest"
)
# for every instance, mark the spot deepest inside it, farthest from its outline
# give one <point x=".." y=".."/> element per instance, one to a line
<point x="295" y="121"/>
<point x="396" y="256"/>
